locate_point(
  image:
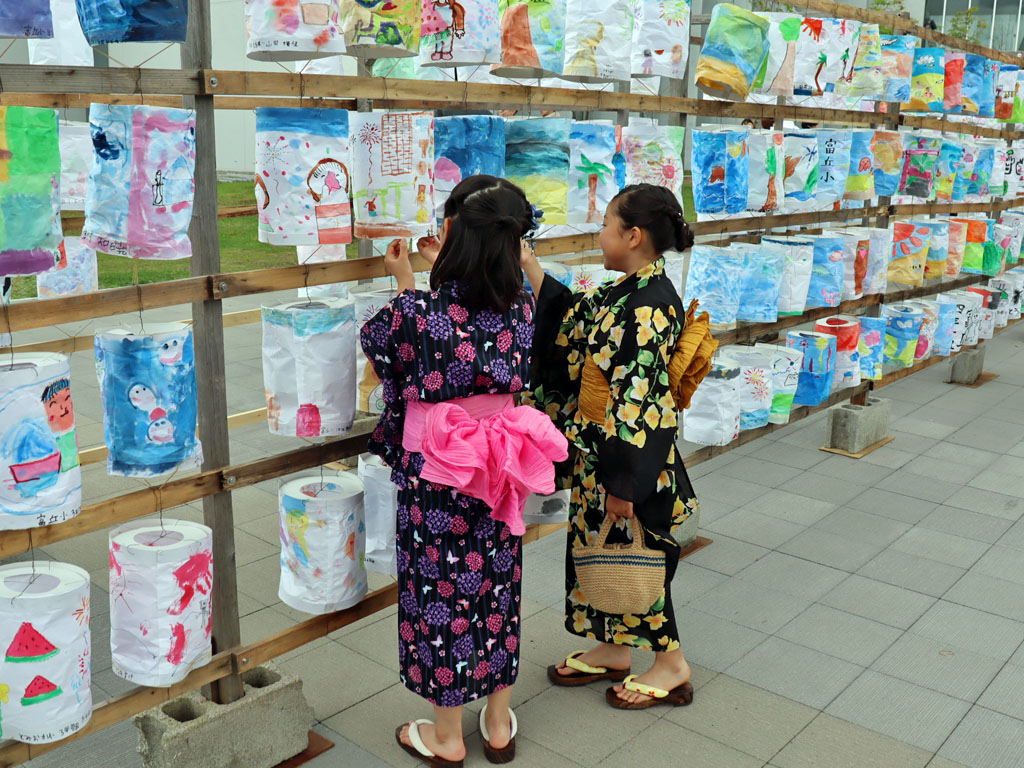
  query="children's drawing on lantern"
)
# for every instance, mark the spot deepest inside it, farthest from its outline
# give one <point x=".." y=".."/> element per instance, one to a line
<point x="448" y="18"/>
<point x="195" y="576"/>
<point x="584" y="59"/>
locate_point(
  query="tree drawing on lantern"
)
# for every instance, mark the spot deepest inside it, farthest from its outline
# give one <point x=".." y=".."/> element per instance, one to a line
<point x="369" y="137"/>
<point x="822" y="61"/>
<point x="595" y="173"/>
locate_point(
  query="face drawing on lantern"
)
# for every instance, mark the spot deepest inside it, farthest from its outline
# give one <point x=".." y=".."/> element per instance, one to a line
<point x="142" y="397"/>
<point x="161" y="431"/>
<point x="59" y="410"/>
<point x="169" y="352"/>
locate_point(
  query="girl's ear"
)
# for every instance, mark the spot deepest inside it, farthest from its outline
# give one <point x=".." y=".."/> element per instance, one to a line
<point x="635" y="237"/>
<point x="446" y="225"/>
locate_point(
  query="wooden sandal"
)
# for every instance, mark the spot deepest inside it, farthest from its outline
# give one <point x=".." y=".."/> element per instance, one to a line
<point x="680" y="696"/>
<point x="584" y="672"/>
<point x="419" y="750"/>
<point x="507" y="753"/>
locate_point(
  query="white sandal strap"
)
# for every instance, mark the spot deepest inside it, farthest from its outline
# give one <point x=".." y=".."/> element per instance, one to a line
<point x="513" y="724"/>
<point x="416" y="741"/>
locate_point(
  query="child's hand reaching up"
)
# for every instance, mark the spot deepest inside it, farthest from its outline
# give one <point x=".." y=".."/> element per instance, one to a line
<point x="532" y="268"/>
<point x="396" y="262"/>
<point x="429" y="247"/>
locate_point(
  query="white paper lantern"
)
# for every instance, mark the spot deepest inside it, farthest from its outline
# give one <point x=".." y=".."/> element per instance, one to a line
<point x="597" y="40"/>
<point x="370" y="392"/>
<point x="68" y="46"/>
<point x="323" y="542"/>
<point x="45" y="674"/>
<point x="459" y="33"/>
<point x="545" y="510"/>
<point x="309" y="367"/>
<point x="661" y="38"/>
<point x="75" y="161"/>
<point x="713" y="417"/>
<point x="755" y="384"/>
<point x="40" y="477"/>
<point x="307" y="29"/>
<point x="161" y="591"/>
<point x="380" y="506"/>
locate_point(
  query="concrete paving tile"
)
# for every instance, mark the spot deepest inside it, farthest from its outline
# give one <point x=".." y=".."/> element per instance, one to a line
<point x="986" y="593"/>
<point x="966" y="524"/>
<point x="823" y="488"/>
<point x="893" y="506"/>
<point x="791" y="507"/>
<point x="371" y="723"/>
<point x="986" y="739"/>
<point x="923" y="427"/>
<point x="266" y="528"/>
<point x="110" y="683"/>
<point x="760" y="471"/>
<point x="378" y="641"/>
<point x="713" y="642"/>
<point x="335" y="678"/>
<point x="87" y="550"/>
<point x="387" y="614"/>
<point x="879" y="601"/>
<point x="916" y="391"/>
<point x="260" y="579"/>
<point x="938" y="666"/>
<point x="744" y="717"/>
<point x="790" y="455"/>
<point x="999" y="482"/>
<point x="830" y="549"/>
<point x="912" y="572"/>
<point x="687" y="747"/>
<point x="988" y="434"/>
<point x="577" y="724"/>
<point x="344" y="753"/>
<point x="962" y="454"/>
<point x="710" y="466"/>
<point x="692" y="581"/>
<point x="747" y="525"/>
<point x="853" y="470"/>
<point x="840" y="634"/>
<point x="796" y="672"/>
<point x="727" y="555"/>
<point x="804" y="435"/>
<point x="909" y="442"/>
<point x="987" y="502"/>
<point x="1002" y="563"/>
<point x="249" y="549"/>
<point x="729" y="489"/>
<point x="113" y="746"/>
<point x="751" y="605"/>
<point x="829" y="741"/>
<point x="984" y="633"/>
<point x="528" y="753"/>
<point x="942" y="469"/>
<point x="945" y="412"/>
<point x="941" y="762"/>
<point x="917" y="486"/>
<point x="902" y="710"/>
<point x="712" y="509"/>
<point x="1003" y="694"/>
<point x="545" y="639"/>
<point x="942" y="547"/>
<point x="857" y="525"/>
<point x="800" y="578"/>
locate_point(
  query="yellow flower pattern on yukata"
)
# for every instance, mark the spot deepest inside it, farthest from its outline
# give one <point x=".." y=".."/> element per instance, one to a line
<point x="630" y="328"/>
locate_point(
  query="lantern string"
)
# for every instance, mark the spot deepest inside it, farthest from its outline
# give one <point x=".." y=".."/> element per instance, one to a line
<point x="7" y="320"/>
<point x="8" y="47"/>
<point x="138" y="293"/>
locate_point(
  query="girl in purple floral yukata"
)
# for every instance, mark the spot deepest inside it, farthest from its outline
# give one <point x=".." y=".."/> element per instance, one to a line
<point x="464" y="457"/>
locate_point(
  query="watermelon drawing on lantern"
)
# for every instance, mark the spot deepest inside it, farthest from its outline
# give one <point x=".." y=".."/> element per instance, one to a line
<point x="28" y="646"/>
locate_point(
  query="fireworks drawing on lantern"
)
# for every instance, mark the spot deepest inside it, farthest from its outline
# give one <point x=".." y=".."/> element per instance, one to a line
<point x="81" y="613"/>
<point x="276" y="152"/>
<point x="758" y="381"/>
<point x="369" y="136"/>
<point x="675" y="12"/>
<point x="583" y="282"/>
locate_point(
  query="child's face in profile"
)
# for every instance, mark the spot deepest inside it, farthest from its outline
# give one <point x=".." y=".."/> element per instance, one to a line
<point x="60" y="413"/>
<point x="614" y="241"/>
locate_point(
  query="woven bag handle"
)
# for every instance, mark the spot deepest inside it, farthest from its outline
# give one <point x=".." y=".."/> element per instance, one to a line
<point x="638" y="542"/>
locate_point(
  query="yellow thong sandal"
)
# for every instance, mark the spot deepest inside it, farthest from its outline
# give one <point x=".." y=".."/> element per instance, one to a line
<point x="679" y="696"/>
<point x="584" y="673"/>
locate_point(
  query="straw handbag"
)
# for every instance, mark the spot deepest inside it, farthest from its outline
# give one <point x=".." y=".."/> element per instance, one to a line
<point x="620" y="578"/>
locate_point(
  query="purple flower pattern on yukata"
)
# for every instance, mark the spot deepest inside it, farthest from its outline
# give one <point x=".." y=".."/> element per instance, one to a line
<point x="459" y="571"/>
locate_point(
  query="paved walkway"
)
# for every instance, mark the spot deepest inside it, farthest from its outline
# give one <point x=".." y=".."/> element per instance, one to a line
<point x="849" y="613"/>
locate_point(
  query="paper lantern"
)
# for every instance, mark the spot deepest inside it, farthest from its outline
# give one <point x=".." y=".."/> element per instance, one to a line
<point x="976" y="302"/>
<point x="909" y="253"/>
<point x="1006" y="91"/>
<point x="870" y="347"/>
<point x="1012" y="156"/>
<point x="674" y="271"/>
<point x="80" y="276"/>
<point x="293" y="31"/>
<point x="30" y="228"/>
<point x="1018" y="99"/>
<point x="532" y="39"/>
<point x="902" y="333"/>
<point x="977" y="185"/>
<point x="46" y="668"/>
<point x="957" y="246"/>
<point x="653" y="154"/>
<point x="735" y="47"/>
<point x="592" y="177"/>
<point x="834" y="165"/>
<point x="466" y="146"/>
<point x="537" y="158"/>
<point x="938" y="248"/>
<point x="879" y="250"/>
<point x="309" y="367"/>
<point x="302" y="176"/>
<point x="148" y="389"/>
<point x="775" y="77"/>
<point x="323" y="542"/>
<point x="133" y="21"/>
<point x="920" y="155"/>
<point x="1012" y="285"/>
<point x="1000" y="239"/>
<point x="887" y="161"/>
<point x="927" y="83"/>
<point x="714" y="280"/>
<point x="785" y="377"/>
<point x="826" y="286"/>
<point x="974" y="249"/>
<point x="377" y="29"/>
<point x="929" y="327"/>
<point x="855" y="261"/>
<point x="27" y="18"/>
<point x="811" y="56"/>
<point x="459" y="33"/>
<point x="944" y="329"/>
<point x="369" y="390"/>
<point x="965" y="168"/>
<point x="139" y="201"/>
<point x="989" y="301"/>
<point x="860" y="183"/>
<point x="760" y="283"/>
<point x="952" y="99"/>
<point x="68" y="46"/>
<point x="392" y="174"/>
<point x="161" y="596"/>
<point x="546" y="510"/>
<point x="897" y="52"/>
<point x="1015" y="221"/>
<point x="42" y="480"/>
<point x="846" y="329"/>
<point x="660" y="37"/>
<point x="990" y="77"/>
<point x="796" y="272"/>
<point x="598" y="41"/>
<point x="766" y="170"/>
<point x="960" y="318"/>
<point x="865" y="81"/>
<point x="817" y="368"/>
<point x="713" y="417"/>
<point x="946" y="170"/>
<point x="973" y="83"/>
<point x="720" y="170"/>
<point x="75" y="143"/>
<point x="802" y="160"/>
<point x="997" y="179"/>
<point x="754" y="384"/>
<point x="380" y="507"/>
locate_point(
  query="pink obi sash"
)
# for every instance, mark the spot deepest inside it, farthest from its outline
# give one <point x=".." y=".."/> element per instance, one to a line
<point x="486" y="447"/>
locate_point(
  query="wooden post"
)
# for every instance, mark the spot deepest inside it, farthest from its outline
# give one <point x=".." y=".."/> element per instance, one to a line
<point x="208" y="337"/>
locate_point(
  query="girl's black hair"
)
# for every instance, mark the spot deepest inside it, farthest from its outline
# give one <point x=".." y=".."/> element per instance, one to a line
<point x="656" y="211"/>
<point x="488" y="218"/>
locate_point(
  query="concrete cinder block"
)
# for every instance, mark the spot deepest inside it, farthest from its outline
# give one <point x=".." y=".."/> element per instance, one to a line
<point x="267" y="726"/>
<point x="852" y="428"/>
<point x="966" y="367"/>
<point x="686" y="533"/>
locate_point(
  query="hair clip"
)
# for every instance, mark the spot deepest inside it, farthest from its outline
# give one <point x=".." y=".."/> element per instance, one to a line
<point x="536" y="217"/>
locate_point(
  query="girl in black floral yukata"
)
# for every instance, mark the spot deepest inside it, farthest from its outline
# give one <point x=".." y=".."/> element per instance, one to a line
<point x="464" y="458"/>
<point x="624" y="461"/>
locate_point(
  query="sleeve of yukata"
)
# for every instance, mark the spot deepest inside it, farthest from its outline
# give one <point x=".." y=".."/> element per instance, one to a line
<point x="385" y="350"/>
